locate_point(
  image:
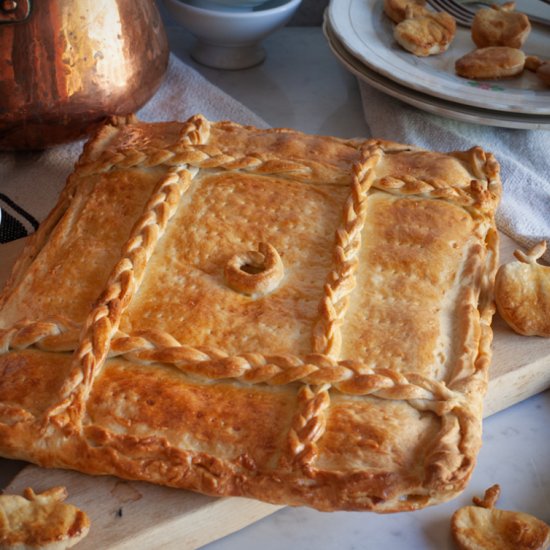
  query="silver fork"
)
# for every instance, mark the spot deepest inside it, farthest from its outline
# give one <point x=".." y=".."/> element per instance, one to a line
<point x="464" y="15"/>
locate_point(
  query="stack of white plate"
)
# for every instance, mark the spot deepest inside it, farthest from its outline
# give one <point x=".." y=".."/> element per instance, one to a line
<point x="361" y="37"/>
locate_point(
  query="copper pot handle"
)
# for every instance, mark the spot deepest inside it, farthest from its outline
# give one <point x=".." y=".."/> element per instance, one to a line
<point x="14" y="11"/>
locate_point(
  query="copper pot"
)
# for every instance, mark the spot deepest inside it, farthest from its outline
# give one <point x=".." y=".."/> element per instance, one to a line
<point x="65" y="65"/>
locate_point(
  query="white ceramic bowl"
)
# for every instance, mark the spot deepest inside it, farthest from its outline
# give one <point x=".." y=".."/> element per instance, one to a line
<point x="231" y="39"/>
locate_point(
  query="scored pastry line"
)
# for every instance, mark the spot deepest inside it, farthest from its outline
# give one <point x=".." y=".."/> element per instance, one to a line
<point x="341" y="280"/>
<point x="102" y="323"/>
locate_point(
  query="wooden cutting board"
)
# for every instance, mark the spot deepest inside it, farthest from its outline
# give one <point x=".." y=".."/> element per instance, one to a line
<point x="138" y="515"/>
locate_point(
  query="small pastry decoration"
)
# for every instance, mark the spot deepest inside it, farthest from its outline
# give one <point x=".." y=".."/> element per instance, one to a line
<point x="522" y="293"/>
<point x="543" y="72"/>
<point x="418" y="30"/>
<point x="255" y="273"/>
<point x="498" y="32"/>
<point x="540" y="67"/>
<point x="41" y="521"/>
<point x="484" y="527"/>
<point x="399" y="10"/>
<point x="491" y="63"/>
<point x="424" y="35"/>
<point x="500" y="26"/>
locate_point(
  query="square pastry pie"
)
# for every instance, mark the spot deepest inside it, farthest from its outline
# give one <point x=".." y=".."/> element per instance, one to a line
<point x="236" y="311"/>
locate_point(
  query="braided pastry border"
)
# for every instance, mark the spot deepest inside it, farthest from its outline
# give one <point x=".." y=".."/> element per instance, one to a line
<point x="55" y="334"/>
<point x="195" y="133"/>
<point x="482" y="191"/>
<point x="327" y="337"/>
<point x="349" y="377"/>
<point x="149" y="347"/>
<point x="308" y="426"/>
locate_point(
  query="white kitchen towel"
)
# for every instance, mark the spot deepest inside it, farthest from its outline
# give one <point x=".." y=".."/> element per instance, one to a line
<point x="524" y="157"/>
<point x="30" y="182"/>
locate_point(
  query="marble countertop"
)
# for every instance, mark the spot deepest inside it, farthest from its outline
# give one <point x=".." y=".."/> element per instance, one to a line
<point x="301" y="85"/>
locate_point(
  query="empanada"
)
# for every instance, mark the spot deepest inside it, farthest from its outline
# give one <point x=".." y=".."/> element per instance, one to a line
<point x="351" y="376"/>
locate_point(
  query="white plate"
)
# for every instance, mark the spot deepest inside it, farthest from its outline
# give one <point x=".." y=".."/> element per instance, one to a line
<point x="366" y="32"/>
<point x="429" y="103"/>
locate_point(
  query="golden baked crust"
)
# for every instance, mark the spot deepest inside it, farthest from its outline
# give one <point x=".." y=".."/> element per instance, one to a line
<point x="354" y="380"/>
<point x="40" y="521"/>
